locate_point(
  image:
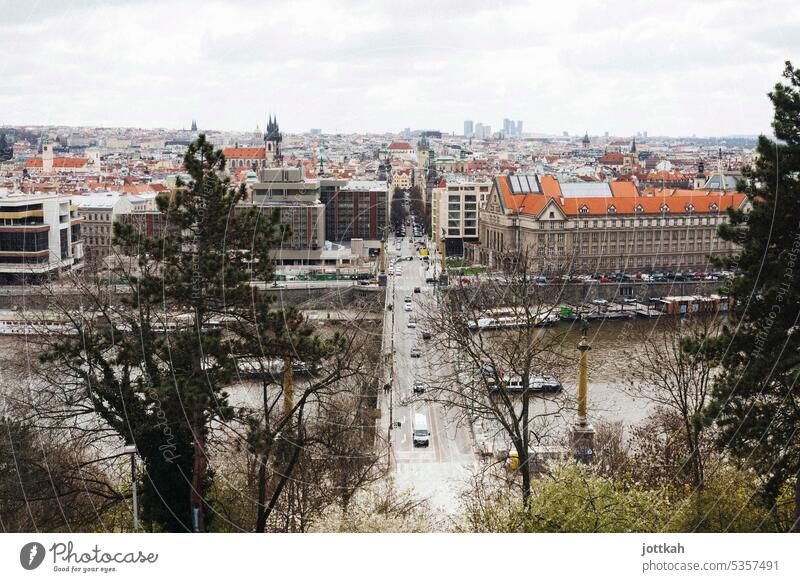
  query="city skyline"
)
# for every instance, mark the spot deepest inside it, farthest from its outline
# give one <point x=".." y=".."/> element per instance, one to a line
<point x="581" y="69"/>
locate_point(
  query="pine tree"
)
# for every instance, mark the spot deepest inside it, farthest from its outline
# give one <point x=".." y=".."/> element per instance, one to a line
<point x="155" y="370"/>
<point x="756" y="401"/>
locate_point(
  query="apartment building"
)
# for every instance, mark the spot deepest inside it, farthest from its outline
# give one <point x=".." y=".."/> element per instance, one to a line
<point x="602" y="227"/>
<point x="40" y="237"/>
<point x="455" y="212"/>
<point x="99" y="212"/>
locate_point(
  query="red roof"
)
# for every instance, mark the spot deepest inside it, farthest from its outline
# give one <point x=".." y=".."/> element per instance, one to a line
<point x="400" y="145"/>
<point x="58" y="163"/>
<point x="244" y="153"/>
<point x="625" y="200"/>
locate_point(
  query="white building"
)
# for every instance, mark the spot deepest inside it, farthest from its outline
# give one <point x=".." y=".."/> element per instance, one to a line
<point x="40" y="236"/>
<point x="455" y="212"/>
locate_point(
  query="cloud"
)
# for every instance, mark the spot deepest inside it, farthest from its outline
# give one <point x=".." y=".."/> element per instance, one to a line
<point x="356" y="65"/>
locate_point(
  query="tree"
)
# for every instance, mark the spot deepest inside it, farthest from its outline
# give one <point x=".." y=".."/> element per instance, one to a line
<point x="152" y="369"/>
<point x="48" y="486"/>
<point x="493" y="380"/>
<point x="398" y="209"/>
<point x="670" y="367"/>
<point x="416" y="203"/>
<point x="756" y="398"/>
<point x="570" y="498"/>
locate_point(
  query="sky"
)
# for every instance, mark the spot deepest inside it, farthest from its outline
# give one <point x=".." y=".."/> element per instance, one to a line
<point x="679" y="68"/>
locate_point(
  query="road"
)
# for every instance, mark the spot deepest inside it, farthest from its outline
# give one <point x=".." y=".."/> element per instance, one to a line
<point x="437" y="472"/>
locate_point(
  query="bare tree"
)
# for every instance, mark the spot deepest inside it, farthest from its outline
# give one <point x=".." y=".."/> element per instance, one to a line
<point x="671" y="368"/>
<point x="497" y="343"/>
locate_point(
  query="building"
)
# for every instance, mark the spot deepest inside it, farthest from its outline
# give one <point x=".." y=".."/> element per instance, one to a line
<point x="49" y="164"/>
<point x="252" y="158"/>
<point x="40" y="237"/>
<point x="99" y="212"/>
<point x="601" y="227"/>
<point x="402" y="178"/>
<point x="298" y="203"/>
<point x="355" y="209"/>
<point x="455" y="213"/>
<point x="469" y="128"/>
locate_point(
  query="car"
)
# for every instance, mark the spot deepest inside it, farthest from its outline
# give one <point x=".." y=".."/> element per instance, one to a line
<point x="411" y="258"/>
<point x="416" y="352"/>
<point x="407" y="307"/>
<point x="430" y="280"/>
<point x="417" y="290"/>
<point x="426" y="335"/>
<point x="419" y="386"/>
<point x="407" y="299"/>
<point x="599" y="302"/>
<point x="411" y="324"/>
<point x="604" y="280"/>
<point x="277" y="285"/>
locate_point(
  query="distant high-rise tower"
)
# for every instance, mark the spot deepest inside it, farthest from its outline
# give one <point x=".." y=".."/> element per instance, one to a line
<point x="272" y="142"/>
<point x="586" y="141"/>
<point x="519" y="128"/>
<point x="469" y="128"/>
<point x="194" y="125"/>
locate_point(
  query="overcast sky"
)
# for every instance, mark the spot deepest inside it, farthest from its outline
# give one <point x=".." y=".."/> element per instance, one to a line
<point x="676" y="68"/>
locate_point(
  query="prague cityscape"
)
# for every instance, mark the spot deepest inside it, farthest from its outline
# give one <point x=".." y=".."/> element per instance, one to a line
<point x="297" y="270"/>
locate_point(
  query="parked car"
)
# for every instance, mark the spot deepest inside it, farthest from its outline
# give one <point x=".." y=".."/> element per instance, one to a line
<point x="417" y="290"/>
<point x="411" y="324"/>
<point x="426" y="335"/>
<point x="419" y="386"/>
<point x="407" y="307"/>
<point x="416" y="352"/>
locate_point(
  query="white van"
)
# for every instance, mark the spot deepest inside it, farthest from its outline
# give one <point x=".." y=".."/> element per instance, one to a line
<point x="421" y="434"/>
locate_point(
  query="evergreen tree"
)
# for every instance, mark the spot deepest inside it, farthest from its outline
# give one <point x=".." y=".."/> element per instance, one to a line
<point x="155" y="370"/>
<point x="756" y="400"/>
<point x="5" y="149"/>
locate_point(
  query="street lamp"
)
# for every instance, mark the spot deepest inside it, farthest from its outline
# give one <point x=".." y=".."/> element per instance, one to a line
<point x="132" y="451"/>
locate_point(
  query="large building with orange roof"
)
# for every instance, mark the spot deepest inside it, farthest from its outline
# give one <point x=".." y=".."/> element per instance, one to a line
<point x="601" y="227"/>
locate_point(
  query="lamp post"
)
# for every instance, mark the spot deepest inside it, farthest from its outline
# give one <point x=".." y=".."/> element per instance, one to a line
<point x="132" y="451"/>
<point x="583" y="432"/>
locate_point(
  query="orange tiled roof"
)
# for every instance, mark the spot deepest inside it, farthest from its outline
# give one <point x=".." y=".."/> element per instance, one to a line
<point x="58" y="163"/>
<point x="244" y="153"/>
<point x="625" y="200"/>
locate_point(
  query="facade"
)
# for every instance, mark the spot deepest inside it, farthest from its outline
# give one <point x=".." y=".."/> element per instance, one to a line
<point x="99" y="212"/>
<point x="252" y="158"/>
<point x="355" y="209"/>
<point x="455" y="213"/>
<point x="299" y="205"/>
<point x="602" y="227"/>
<point x="469" y="128"/>
<point x="40" y="237"/>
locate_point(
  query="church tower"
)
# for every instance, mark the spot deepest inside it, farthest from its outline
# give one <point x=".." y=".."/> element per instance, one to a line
<point x="272" y="143"/>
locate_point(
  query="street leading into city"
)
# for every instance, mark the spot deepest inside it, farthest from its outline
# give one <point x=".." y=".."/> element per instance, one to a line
<point x="440" y="471"/>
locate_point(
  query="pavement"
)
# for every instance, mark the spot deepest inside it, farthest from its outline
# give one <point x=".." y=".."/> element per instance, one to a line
<point x="440" y="471"/>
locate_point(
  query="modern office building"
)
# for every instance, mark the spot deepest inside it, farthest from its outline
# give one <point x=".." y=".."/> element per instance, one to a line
<point x="40" y="237"/>
<point x="469" y="128"/>
<point x="455" y="213"/>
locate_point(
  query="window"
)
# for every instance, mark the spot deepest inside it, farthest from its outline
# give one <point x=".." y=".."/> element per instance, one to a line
<point x="713" y="207"/>
<point x="664" y="207"/>
<point x="583" y="209"/>
<point x="639" y="208"/>
<point x="612" y="209"/>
